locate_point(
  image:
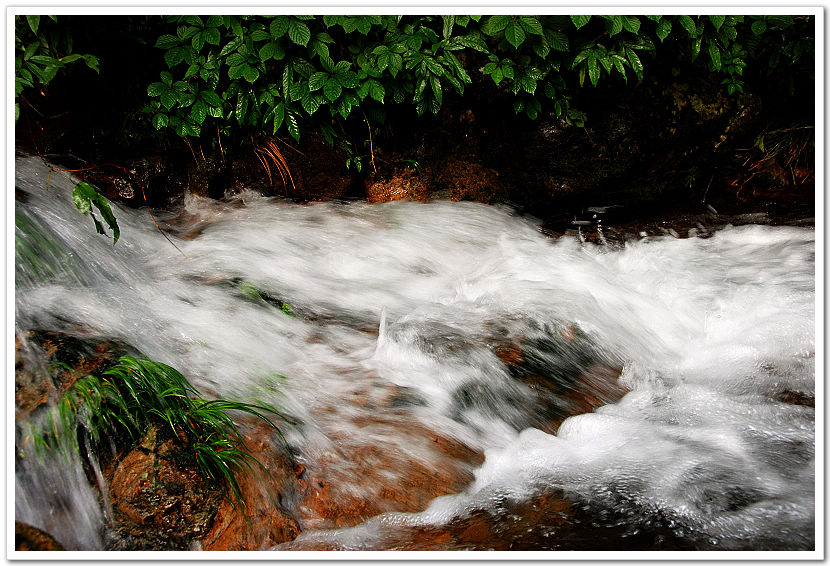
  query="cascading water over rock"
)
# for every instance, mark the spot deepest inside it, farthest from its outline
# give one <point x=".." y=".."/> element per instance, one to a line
<point x="399" y="313"/>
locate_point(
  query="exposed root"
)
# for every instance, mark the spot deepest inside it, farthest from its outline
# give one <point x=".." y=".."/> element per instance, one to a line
<point x="269" y="154"/>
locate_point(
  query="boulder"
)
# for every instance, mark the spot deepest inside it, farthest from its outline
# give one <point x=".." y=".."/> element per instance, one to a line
<point x="27" y="537"/>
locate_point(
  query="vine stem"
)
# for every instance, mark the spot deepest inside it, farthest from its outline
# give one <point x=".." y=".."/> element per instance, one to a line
<point x="371" y="145"/>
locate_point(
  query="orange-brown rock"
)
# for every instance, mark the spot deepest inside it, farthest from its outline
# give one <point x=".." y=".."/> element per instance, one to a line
<point x="159" y="499"/>
<point x="263" y="522"/>
<point x="471" y="181"/>
<point x="390" y="479"/>
<point x="405" y="185"/>
<point x="542" y="521"/>
<point x="27" y="537"/>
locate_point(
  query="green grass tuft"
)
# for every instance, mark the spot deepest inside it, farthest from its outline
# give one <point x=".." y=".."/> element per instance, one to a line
<point x="137" y="394"/>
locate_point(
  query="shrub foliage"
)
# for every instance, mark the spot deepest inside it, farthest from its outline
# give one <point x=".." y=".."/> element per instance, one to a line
<point x="281" y="72"/>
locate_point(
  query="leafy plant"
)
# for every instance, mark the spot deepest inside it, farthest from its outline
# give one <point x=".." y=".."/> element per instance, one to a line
<point x="137" y="394"/>
<point x="290" y="72"/>
<point x="42" y="50"/>
<point x="85" y="197"/>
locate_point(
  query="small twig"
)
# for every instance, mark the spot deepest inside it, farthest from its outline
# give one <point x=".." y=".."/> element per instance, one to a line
<point x="219" y="137"/>
<point x="189" y="145"/>
<point x="156" y="223"/>
<point x="371" y="145"/>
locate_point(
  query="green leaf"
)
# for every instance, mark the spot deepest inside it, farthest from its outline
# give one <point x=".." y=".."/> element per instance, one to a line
<point x="292" y="124"/>
<point x="279" y="116"/>
<point x="580" y="57"/>
<point x="212" y="36"/>
<point x="198" y="42"/>
<point x="236" y="27"/>
<point x="211" y="98"/>
<point x="717" y="21"/>
<point x="714" y="55"/>
<point x="237" y="71"/>
<point x="631" y="23"/>
<point x="436" y="89"/>
<point x="155" y="89"/>
<point x="272" y="49"/>
<point x="759" y="27"/>
<point x="532" y="25"/>
<point x="298" y="32"/>
<point x="473" y="42"/>
<point x="332" y="89"/>
<point x="636" y="64"/>
<point x="449" y="22"/>
<point x="696" y="47"/>
<point x="251" y="74"/>
<point x="174" y="56"/>
<point x="317" y="80"/>
<point x="541" y="48"/>
<point x="167" y="41"/>
<point x="579" y="21"/>
<point x="241" y="107"/>
<point x="191" y="70"/>
<point x="663" y="28"/>
<point x="44" y="60"/>
<point x="593" y="70"/>
<point x="377" y="91"/>
<point x="497" y="75"/>
<point x="688" y="24"/>
<point x="614" y="25"/>
<point x="169" y="98"/>
<point x="348" y="79"/>
<point x="557" y="40"/>
<point x="495" y="24"/>
<point x="198" y="112"/>
<point x="85" y="196"/>
<point x="34" y="23"/>
<point x="434" y="66"/>
<point x="230" y="46"/>
<point x="311" y="102"/>
<point x="260" y="35"/>
<point x="279" y="26"/>
<point x="514" y="34"/>
<point x="91" y="62"/>
<point x="187" y="32"/>
<point x="235" y="59"/>
<point x="606" y="64"/>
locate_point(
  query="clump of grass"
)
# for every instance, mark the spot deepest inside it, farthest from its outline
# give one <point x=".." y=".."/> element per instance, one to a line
<point x="137" y="394"/>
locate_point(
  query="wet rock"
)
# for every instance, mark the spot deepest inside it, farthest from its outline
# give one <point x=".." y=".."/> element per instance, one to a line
<point x="359" y="481"/>
<point x="568" y="374"/>
<point x="264" y="522"/>
<point x="796" y="398"/>
<point x="48" y="363"/>
<point x="159" y="499"/>
<point x="400" y="186"/>
<point x="27" y="537"/>
<point x="467" y="180"/>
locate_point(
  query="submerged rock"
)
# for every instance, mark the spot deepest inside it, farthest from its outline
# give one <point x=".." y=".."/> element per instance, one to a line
<point x="264" y="521"/>
<point x="27" y="537"/>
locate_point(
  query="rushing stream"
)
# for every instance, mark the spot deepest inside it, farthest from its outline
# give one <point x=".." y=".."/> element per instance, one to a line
<point x="714" y="337"/>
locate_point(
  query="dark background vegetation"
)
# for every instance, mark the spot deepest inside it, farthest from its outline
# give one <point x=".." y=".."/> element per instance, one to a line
<point x="695" y="111"/>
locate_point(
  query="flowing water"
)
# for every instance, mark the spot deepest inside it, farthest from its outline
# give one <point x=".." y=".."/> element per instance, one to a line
<point x="715" y="337"/>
